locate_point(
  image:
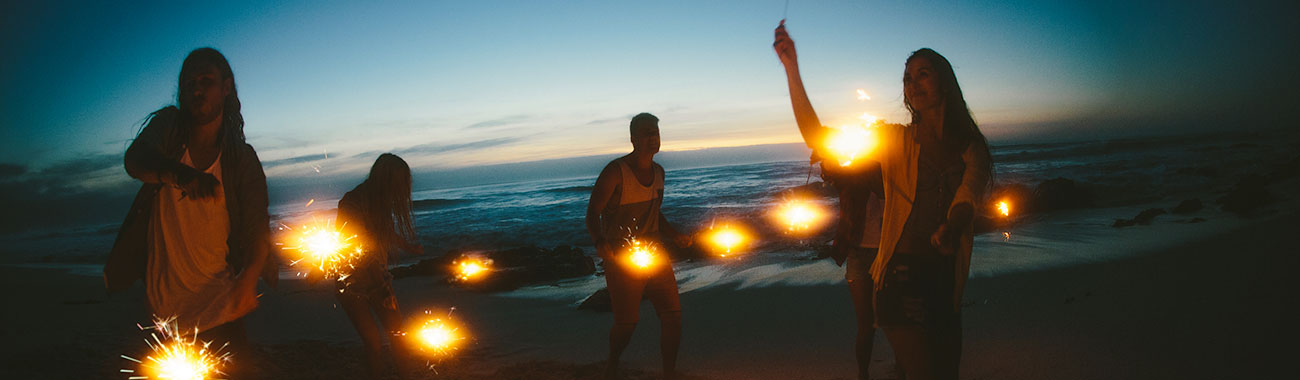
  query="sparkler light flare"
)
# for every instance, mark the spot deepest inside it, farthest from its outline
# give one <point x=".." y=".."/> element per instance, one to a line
<point x="326" y="249"/>
<point x="727" y="238"/>
<point x="1004" y="208"/>
<point x="176" y="356"/>
<point x="848" y="143"/>
<point x="641" y="254"/>
<point x="438" y="335"/>
<point x="862" y="95"/>
<point x="472" y="267"/>
<point x="799" y="215"/>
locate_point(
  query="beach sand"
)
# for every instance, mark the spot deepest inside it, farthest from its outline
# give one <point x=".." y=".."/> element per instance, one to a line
<point x="1215" y="307"/>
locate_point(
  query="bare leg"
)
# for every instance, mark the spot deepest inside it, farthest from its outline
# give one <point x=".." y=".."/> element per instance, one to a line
<point x="860" y="291"/>
<point x="391" y="317"/>
<point x="915" y="351"/>
<point x="619" y="336"/>
<point x="670" y="338"/>
<point x="358" y="311"/>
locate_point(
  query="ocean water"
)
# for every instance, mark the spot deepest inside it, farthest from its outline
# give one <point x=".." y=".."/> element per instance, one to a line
<point x="1126" y="177"/>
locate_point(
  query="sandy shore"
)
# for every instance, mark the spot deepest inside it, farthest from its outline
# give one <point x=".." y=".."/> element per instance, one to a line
<point x="1218" y="307"/>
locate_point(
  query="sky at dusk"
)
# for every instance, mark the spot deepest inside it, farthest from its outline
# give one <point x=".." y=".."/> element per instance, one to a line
<point x="451" y="86"/>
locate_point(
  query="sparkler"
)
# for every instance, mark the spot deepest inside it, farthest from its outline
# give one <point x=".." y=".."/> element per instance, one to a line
<point x="799" y="215"/>
<point x="177" y="356"/>
<point x="862" y="95"/>
<point x="472" y="267"/>
<point x="326" y="249"/>
<point x="438" y="335"/>
<point x="851" y="142"/>
<point x="641" y="254"/>
<point x="1004" y="208"/>
<point x="726" y="238"/>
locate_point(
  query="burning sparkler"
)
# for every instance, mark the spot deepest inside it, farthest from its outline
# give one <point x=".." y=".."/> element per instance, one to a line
<point x="178" y="356"/>
<point x="1004" y="208"/>
<point x="471" y="267"/>
<point x="641" y="254"/>
<point x="438" y="335"/>
<point x="799" y="215"/>
<point x="726" y="238"/>
<point x="848" y="143"/>
<point x="862" y="95"/>
<point x="326" y="248"/>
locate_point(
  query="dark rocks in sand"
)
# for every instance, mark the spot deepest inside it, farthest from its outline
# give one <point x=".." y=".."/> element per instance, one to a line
<point x="1144" y="218"/>
<point x="426" y="267"/>
<point x="1247" y="196"/>
<point x="1060" y="194"/>
<point x="598" y="301"/>
<point x="1188" y="206"/>
<point x="511" y="268"/>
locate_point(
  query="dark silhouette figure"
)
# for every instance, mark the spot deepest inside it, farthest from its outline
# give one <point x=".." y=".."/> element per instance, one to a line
<point x="625" y="204"/>
<point x="933" y="171"/>
<point x="378" y="211"/>
<point x="198" y="231"/>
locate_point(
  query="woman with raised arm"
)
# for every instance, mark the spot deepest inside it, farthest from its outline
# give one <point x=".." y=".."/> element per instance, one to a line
<point x="935" y="172"/>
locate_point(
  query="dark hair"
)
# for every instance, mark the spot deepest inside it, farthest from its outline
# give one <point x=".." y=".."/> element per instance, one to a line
<point x="232" y="124"/>
<point x="959" y="127"/>
<point x="641" y="120"/>
<point x="388" y="198"/>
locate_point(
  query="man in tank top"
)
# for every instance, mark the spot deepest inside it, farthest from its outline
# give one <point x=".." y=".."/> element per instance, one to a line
<point x="624" y="212"/>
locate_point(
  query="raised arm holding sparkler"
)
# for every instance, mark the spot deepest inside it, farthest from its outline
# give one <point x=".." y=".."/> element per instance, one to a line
<point x="624" y="221"/>
<point x="933" y="173"/>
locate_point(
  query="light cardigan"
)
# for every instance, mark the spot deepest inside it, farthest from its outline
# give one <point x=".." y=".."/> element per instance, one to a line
<point x="898" y="154"/>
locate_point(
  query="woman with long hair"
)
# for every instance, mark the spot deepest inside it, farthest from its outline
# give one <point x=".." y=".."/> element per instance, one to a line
<point x="378" y="211"/>
<point x="198" y="231"/>
<point x="934" y="171"/>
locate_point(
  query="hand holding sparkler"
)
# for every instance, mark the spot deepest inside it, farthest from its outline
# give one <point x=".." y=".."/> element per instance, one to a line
<point x="784" y="47"/>
<point x="326" y="249"/>
<point x="178" y="356"/>
<point x="726" y="239"/>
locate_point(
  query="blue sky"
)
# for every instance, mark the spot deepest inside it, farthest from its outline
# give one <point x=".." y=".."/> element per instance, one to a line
<point x="450" y="85"/>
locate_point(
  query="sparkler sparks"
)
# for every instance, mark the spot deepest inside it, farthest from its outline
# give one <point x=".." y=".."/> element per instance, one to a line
<point x="471" y="267"/>
<point x="438" y="335"/>
<point x="178" y="356"/>
<point x="641" y="254"/>
<point x="726" y="238"/>
<point x="799" y="215"/>
<point x="862" y="95"/>
<point x="848" y="143"/>
<point x="326" y="249"/>
<point x="1004" y="208"/>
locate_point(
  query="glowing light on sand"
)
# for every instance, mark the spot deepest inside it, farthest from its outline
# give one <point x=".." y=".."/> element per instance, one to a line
<point x="726" y="238"/>
<point x="1006" y="236"/>
<point x="326" y="249"/>
<point x="862" y="95"/>
<point x="1004" y="208"/>
<point x="472" y="267"/>
<point x="176" y="356"/>
<point x="799" y="215"/>
<point x="848" y="143"/>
